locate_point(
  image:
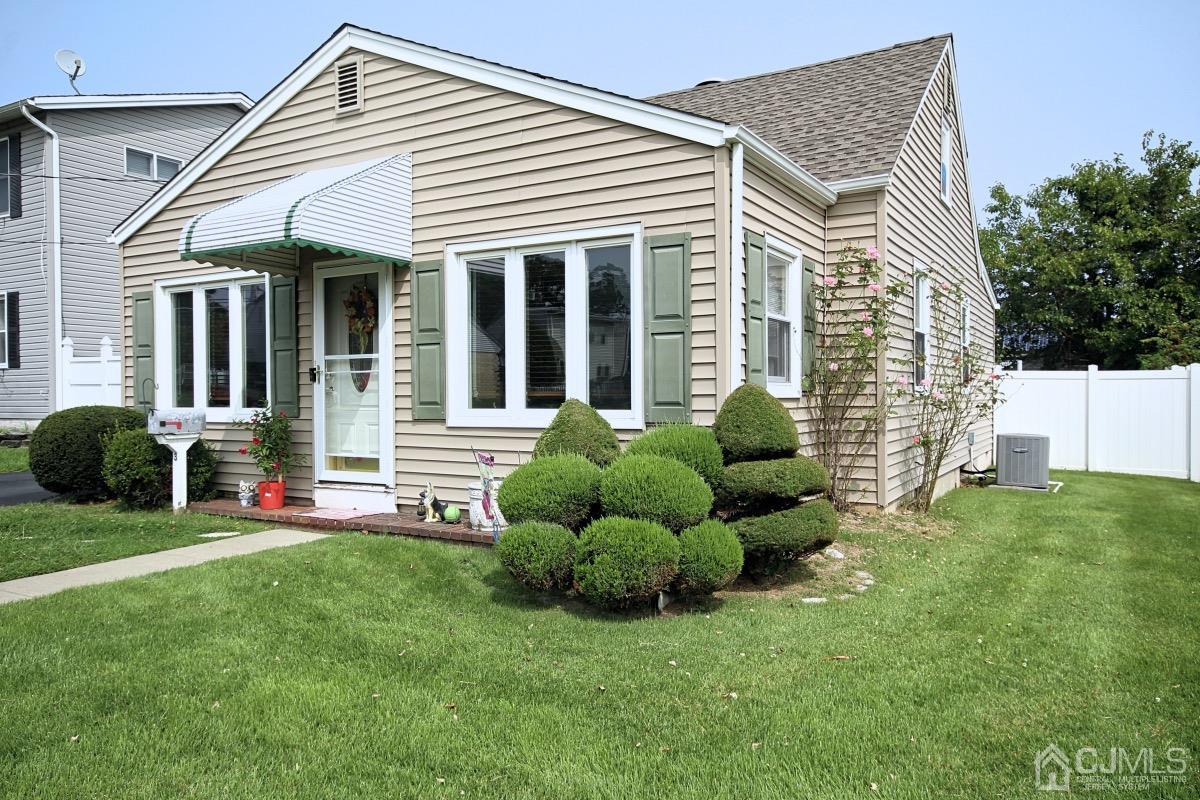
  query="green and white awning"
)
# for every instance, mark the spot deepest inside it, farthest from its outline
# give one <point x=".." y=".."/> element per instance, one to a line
<point x="362" y="209"/>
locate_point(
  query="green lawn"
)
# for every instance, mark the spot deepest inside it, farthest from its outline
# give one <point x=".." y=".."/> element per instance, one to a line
<point x="14" y="459"/>
<point x="45" y="537"/>
<point x="390" y="667"/>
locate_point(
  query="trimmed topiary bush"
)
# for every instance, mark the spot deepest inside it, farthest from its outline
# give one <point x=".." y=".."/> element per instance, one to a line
<point x="66" y="451"/>
<point x="578" y="428"/>
<point x="753" y="425"/>
<point x="693" y="445"/>
<point x="538" y="554"/>
<point x="772" y="542"/>
<point x="654" y="488"/>
<point x="562" y="489"/>
<point x="137" y="469"/>
<point x="779" y="479"/>
<point x="710" y="558"/>
<point x="620" y="561"/>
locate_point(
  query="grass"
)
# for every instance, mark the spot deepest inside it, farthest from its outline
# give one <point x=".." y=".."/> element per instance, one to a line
<point x="371" y="666"/>
<point x="14" y="459"/>
<point x="36" y="538"/>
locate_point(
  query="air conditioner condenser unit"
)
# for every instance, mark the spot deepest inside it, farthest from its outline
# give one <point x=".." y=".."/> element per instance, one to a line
<point x="1023" y="459"/>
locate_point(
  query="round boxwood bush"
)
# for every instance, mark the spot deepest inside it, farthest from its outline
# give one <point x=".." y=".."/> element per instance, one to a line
<point x="749" y="482"/>
<point x="654" y="488"/>
<point x="66" y="451"/>
<point x="577" y="428"/>
<point x="137" y="469"/>
<point x="710" y="558"/>
<point x="621" y="561"/>
<point x="693" y="445"/>
<point x="773" y="541"/>
<point x="562" y="489"/>
<point x="538" y="554"/>
<point x="752" y="425"/>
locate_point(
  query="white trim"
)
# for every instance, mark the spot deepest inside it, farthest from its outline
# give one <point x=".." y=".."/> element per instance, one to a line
<point x="593" y="101"/>
<point x="922" y="313"/>
<point x="5" y="329"/>
<point x="737" y="266"/>
<point x="867" y="183"/>
<point x="92" y="101"/>
<point x="946" y="191"/>
<point x="789" y="387"/>
<point x="574" y="243"/>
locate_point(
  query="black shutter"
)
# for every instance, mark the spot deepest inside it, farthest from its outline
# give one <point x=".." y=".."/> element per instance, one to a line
<point x="13" y="316"/>
<point x="14" y="176"/>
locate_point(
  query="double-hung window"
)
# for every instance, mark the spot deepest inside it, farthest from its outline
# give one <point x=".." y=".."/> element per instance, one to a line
<point x="140" y="164"/>
<point x="212" y="334"/>
<point x="944" y="167"/>
<point x="964" y="337"/>
<point x="921" y="314"/>
<point x="5" y="178"/>
<point x="784" y="312"/>
<point x="534" y="321"/>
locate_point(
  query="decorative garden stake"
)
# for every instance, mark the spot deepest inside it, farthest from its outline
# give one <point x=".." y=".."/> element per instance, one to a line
<point x="491" y="504"/>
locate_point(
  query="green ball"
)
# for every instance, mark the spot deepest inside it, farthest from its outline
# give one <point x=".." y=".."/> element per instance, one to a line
<point x="452" y="514"/>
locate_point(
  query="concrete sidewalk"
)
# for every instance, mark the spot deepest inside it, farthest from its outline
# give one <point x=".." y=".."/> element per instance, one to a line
<point x="132" y="567"/>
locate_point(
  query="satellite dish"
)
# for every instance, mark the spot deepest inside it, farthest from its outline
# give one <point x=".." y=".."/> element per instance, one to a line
<point x="71" y="63"/>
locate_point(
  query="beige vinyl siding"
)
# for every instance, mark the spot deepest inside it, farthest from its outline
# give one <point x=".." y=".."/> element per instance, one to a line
<point x="920" y="225"/>
<point x="486" y="164"/>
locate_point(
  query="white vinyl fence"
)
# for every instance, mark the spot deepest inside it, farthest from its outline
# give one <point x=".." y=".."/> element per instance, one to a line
<point x="91" y="380"/>
<point x="1145" y="422"/>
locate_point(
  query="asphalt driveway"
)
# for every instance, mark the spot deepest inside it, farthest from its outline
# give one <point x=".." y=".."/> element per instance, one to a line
<point x="20" y="487"/>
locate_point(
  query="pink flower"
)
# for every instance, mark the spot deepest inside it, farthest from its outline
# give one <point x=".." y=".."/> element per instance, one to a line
<point x="938" y="395"/>
<point x="994" y="376"/>
<point x="865" y="316"/>
<point x="830" y="280"/>
<point x="868" y="331"/>
<point x="945" y="286"/>
<point x="927" y="382"/>
<point x="242" y="450"/>
<point x="833" y="366"/>
<point x="873" y="253"/>
<point x="902" y="380"/>
<point x="874" y="287"/>
<point x="916" y="438"/>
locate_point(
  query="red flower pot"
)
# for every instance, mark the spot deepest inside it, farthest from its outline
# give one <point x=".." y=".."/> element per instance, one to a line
<point x="270" y="494"/>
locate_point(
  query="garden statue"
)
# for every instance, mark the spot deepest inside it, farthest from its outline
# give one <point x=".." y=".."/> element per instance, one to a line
<point x="490" y="486"/>
<point x="430" y="508"/>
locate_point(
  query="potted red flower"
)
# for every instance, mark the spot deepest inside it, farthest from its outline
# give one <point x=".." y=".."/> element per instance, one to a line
<point x="271" y="448"/>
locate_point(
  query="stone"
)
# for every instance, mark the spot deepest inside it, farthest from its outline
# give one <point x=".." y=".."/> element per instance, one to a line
<point x="863" y="575"/>
<point x="834" y="553"/>
<point x="815" y="600"/>
<point x="860" y="588"/>
<point x="846" y="596"/>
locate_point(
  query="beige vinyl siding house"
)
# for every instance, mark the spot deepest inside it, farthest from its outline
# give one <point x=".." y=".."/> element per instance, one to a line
<point x="527" y="195"/>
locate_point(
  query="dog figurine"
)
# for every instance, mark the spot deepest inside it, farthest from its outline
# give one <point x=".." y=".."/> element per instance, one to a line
<point x="430" y="507"/>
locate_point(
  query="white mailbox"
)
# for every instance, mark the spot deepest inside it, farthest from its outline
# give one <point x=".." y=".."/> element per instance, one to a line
<point x="178" y="429"/>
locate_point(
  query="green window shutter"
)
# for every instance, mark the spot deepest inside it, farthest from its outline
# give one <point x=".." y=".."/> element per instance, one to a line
<point x="808" y="344"/>
<point x="756" y="337"/>
<point x="667" y="267"/>
<point x="285" y="347"/>
<point x="428" y="342"/>
<point x="143" y="351"/>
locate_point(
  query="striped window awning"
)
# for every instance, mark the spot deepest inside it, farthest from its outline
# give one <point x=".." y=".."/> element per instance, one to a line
<point x="362" y="209"/>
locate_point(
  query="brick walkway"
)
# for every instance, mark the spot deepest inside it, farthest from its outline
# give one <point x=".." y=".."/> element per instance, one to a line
<point x="293" y="516"/>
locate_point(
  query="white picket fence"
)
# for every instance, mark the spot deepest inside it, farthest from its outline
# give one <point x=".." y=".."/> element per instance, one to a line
<point x="1145" y="422"/>
<point x="91" y="380"/>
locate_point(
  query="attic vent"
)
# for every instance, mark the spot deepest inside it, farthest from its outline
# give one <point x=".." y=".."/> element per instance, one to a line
<point x="347" y="85"/>
<point x="709" y="82"/>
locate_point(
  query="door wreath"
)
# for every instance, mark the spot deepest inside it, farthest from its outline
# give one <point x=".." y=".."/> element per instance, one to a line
<point x="362" y="316"/>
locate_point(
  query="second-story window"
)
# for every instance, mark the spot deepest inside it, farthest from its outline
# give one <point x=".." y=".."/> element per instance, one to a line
<point x="142" y="164"/>
<point x="945" y="165"/>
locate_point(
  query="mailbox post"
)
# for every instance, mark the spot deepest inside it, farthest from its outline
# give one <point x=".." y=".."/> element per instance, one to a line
<point x="178" y="429"/>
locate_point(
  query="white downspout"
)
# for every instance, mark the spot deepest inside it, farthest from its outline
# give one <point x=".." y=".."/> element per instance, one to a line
<point x="737" y="272"/>
<point x="55" y="215"/>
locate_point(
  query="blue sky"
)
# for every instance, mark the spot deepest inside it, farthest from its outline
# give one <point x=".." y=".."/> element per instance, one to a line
<point x="1043" y="84"/>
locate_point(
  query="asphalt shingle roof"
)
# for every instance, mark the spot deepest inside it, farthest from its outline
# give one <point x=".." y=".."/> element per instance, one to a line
<point x="838" y="119"/>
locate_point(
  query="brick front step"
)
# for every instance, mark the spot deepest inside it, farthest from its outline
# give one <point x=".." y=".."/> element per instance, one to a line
<point x="293" y="516"/>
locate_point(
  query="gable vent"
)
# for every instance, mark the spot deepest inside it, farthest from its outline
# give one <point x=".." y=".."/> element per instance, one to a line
<point x="348" y="85"/>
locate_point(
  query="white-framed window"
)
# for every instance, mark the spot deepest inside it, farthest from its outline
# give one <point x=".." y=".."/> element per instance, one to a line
<point x="535" y="320"/>
<point x="921" y="315"/>
<point x="142" y="164"/>
<point x="944" y="166"/>
<point x="784" y="316"/>
<point x="211" y="344"/>
<point x="964" y="337"/>
<point x="5" y="178"/>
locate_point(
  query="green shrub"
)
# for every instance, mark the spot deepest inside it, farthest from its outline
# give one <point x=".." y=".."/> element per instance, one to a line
<point x="137" y="469"/>
<point x="752" y="424"/>
<point x="563" y="489"/>
<point x="620" y="561"/>
<point x="710" y="558"/>
<point x="748" y="483"/>
<point x="773" y="541"/>
<point x="654" y="488"/>
<point x="538" y="554"/>
<point x="578" y="428"/>
<point x="66" y="451"/>
<point x="693" y="445"/>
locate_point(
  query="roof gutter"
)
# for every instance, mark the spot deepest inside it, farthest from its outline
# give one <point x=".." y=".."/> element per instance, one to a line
<point x="867" y="183"/>
<point x="770" y="158"/>
<point x="54" y="216"/>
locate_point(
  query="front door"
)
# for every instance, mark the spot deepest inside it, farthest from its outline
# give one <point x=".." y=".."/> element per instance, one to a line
<point x="353" y="397"/>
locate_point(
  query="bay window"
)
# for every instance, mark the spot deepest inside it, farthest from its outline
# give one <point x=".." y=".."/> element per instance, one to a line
<point x="215" y="330"/>
<point x="784" y="312"/>
<point x="534" y="321"/>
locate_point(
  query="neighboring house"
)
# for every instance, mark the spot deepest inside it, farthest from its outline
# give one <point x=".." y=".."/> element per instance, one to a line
<point x="71" y="168"/>
<point x="531" y="240"/>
